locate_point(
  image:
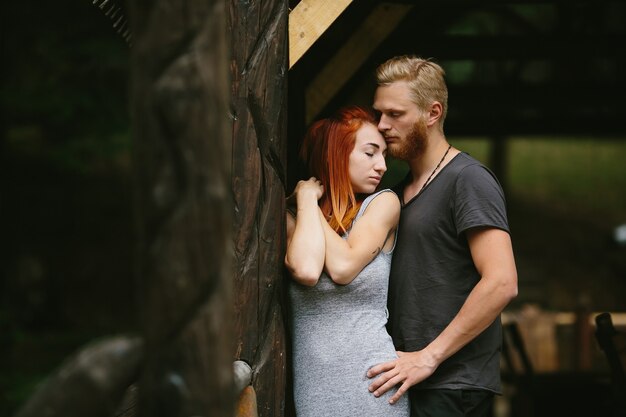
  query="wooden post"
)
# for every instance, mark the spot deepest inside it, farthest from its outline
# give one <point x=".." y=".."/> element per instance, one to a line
<point x="179" y="90"/>
<point x="259" y="69"/>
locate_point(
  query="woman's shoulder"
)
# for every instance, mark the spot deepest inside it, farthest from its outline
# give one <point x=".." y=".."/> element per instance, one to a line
<point x="386" y="194"/>
<point x="385" y="200"/>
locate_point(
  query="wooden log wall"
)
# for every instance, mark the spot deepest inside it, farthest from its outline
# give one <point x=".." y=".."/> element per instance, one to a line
<point x="259" y="34"/>
<point x="181" y="131"/>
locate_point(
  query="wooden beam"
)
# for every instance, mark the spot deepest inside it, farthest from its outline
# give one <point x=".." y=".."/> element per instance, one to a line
<point x="341" y="67"/>
<point x="308" y="21"/>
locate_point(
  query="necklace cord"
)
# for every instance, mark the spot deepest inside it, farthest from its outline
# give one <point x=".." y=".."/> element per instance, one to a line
<point x="436" y="168"/>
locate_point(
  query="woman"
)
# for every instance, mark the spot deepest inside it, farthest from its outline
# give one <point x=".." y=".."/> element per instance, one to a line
<point x="339" y="246"/>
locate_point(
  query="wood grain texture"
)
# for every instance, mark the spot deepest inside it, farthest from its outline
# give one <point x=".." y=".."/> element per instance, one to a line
<point x="308" y="21"/>
<point x="182" y="149"/>
<point x="259" y="89"/>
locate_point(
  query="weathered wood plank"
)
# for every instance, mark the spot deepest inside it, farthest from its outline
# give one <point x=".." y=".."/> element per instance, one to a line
<point x="308" y="20"/>
<point x="259" y="88"/>
<point x="179" y="90"/>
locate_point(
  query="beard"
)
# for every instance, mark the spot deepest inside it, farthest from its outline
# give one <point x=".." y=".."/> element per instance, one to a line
<point x="413" y="144"/>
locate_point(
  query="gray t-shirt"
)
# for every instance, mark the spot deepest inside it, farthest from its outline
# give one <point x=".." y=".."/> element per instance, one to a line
<point x="432" y="271"/>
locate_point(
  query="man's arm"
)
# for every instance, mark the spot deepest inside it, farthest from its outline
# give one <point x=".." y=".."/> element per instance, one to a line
<point x="492" y="254"/>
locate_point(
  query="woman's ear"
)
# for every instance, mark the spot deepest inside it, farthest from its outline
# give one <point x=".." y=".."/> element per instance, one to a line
<point x="436" y="110"/>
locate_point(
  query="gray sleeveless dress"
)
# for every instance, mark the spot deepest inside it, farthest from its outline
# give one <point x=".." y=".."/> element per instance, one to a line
<point x="338" y="334"/>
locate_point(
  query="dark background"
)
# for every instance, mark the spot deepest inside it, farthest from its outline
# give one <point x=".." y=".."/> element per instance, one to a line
<point x="65" y="189"/>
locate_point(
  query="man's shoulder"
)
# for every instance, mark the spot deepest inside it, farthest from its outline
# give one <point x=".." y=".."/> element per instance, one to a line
<point x="464" y="160"/>
<point x="468" y="167"/>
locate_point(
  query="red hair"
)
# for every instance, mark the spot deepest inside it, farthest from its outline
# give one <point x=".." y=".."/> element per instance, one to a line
<point x="326" y="150"/>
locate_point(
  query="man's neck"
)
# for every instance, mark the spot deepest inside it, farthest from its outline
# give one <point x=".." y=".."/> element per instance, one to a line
<point x="424" y="163"/>
<point x="428" y="164"/>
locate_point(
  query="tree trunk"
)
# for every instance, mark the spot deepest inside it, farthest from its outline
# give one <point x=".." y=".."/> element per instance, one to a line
<point x="179" y="88"/>
<point x="259" y="65"/>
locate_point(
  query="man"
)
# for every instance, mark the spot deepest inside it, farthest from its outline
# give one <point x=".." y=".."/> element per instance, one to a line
<point x="453" y="269"/>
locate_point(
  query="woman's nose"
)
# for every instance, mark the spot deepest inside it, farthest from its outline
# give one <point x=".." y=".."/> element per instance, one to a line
<point x="381" y="166"/>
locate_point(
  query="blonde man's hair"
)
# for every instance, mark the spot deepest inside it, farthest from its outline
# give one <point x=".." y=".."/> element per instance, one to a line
<point x="426" y="80"/>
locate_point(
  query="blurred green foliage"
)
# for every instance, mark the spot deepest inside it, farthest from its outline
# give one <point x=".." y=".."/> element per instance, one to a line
<point x="577" y="176"/>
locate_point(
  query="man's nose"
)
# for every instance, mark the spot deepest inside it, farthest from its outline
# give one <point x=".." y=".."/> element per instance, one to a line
<point x="382" y="123"/>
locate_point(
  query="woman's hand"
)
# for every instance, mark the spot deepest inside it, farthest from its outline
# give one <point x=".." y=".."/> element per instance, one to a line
<point x="308" y="188"/>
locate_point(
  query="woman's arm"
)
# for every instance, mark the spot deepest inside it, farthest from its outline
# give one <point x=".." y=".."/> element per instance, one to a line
<point x="305" y="237"/>
<point x="345" y="258"/>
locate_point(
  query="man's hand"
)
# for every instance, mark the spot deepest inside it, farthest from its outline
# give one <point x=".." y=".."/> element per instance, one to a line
<point x="409" y="369"/>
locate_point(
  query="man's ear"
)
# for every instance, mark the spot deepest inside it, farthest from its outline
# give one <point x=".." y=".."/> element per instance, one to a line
<point x="436" y="110"/>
